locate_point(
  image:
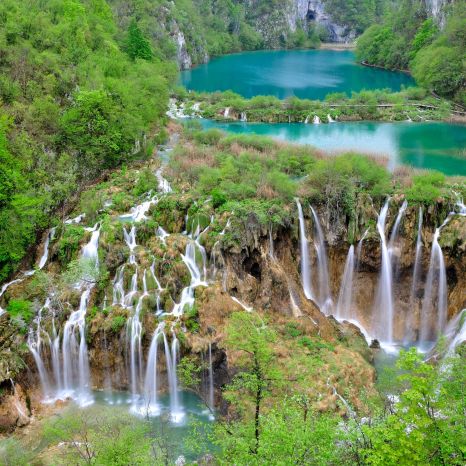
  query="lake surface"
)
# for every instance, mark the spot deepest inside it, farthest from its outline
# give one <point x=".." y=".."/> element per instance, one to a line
<point x="310" y="74"/>
<point x="437" y="146"/>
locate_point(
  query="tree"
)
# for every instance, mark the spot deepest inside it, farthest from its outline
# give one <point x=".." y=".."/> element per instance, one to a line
<point x="426" y="425"/>
<point x="137" y="46"/>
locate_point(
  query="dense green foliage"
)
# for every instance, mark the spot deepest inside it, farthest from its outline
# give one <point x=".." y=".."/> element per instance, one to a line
<point x="76" y="94"/>
<point x="409" y="39"/>
<point x="380" y="105"/>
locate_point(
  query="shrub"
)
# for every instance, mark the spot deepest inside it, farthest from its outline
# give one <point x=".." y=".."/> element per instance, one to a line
<point x="118" y="322"/>
<point x="21" y="311"/>
<point x="426" y="188"/>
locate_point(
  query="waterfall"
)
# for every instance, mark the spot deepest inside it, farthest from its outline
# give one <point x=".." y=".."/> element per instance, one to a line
<point x="244" y="116"/>
<point x="138" y="213"/>
<point x="316" y="120"/>
<point x="330" y="119"/>
<point x="76" y="376"/>
<point x="45" y="254"/>
<point x="415" y="283"/>
<point x="325" y="299"/>
<point x="135" y="336"/>
<point x="393" y="244"/>
<point x="151" y="405"/>
<point x="164" y="185"/>
<point x="226" y="112"/>
<point x="55" y="355"/>
<point x="176" y="412"/>
<point x="198" y="275"/>
<point x="383" y="307"/>
<point x="304" y="251"/>
<point x="130" y="240"/>
<point x="211" y="381"/>
<point x="34" y="343"/>
<point x="306" y="121"/>
<point x="435" y="297"/>
<point x="345" y="298"/>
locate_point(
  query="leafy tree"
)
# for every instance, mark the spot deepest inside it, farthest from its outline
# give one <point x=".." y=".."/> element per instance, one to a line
<point x="137" y="45"/>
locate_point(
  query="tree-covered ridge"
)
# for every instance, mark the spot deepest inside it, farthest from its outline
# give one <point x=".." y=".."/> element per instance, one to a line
<point x="409" y="39"/>
<point x="77" y="97"/>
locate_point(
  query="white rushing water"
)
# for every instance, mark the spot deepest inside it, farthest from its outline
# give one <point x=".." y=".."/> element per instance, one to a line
<point x="345" y="298"/>
<point x="304" y="251"/>
<point x="383" y="306"/>
<point x="417" y="270"/>
<point x="434" y="306"/>
<point x="325" y="299"/>
<point x="45" y="254"/>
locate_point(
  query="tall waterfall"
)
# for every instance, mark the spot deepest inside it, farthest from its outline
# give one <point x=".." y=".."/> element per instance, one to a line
<point x="345" y="299"/>
<point x="409" y="336"/>
<point x="151" y="405"/>
<point x="176" y="412"/>
<point x="383" y="307"/>
<point x="325" y="299"/>
<point x="435" y="297"/>
<point x="35" y="344"/>
<point x="304" y="250"/>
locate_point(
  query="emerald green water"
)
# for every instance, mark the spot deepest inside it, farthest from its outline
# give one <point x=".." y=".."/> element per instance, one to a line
<point x="437" y="146"/>
<point x="309" y="74"/>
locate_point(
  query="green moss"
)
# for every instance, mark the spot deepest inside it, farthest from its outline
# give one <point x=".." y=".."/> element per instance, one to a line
<point x="118" y="322"/>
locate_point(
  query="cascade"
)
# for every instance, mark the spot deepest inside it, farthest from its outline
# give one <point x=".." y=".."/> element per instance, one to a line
<point x="226" y="112"/>
<point x="34" y="344"/>
<point x="75" y="220"/>
<point x="306" y="121"/>
<point x="435" y="296"/>
<point x="383" y="306"/>
<point x="415" y="283"/>
<point x="393" y="244"/>
<point x="176" y="412"/>
<point x="330" y="119"/>
<point x="54" y="342"/>
<point x="244" y="116"/>
<point x="151" y="405"/>
<point x="345" y="298"/>
<point x="45" y="254"/>
<point x="130" y="240"/>
<point x="198" y="275"/>
<point x="325" y="299"/>
<point x="138" y="213"/>
<point x="304" y="251"/>
<point x="316" y="120"/>
<point x="135" y="336"/>
<point x="164" y="185"/>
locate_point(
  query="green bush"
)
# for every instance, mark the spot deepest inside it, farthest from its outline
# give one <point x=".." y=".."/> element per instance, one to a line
<point x="426" y="188"/>
<point x="118" y="322"/>
<point x="21" y="310"/>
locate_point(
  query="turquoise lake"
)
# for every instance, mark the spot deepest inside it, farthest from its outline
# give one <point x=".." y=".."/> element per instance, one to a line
<point x="438" y="146"/>
<point x="310" y="74"/>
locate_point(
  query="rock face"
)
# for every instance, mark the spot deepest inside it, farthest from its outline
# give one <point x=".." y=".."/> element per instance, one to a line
<point x="310" y="12"/>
